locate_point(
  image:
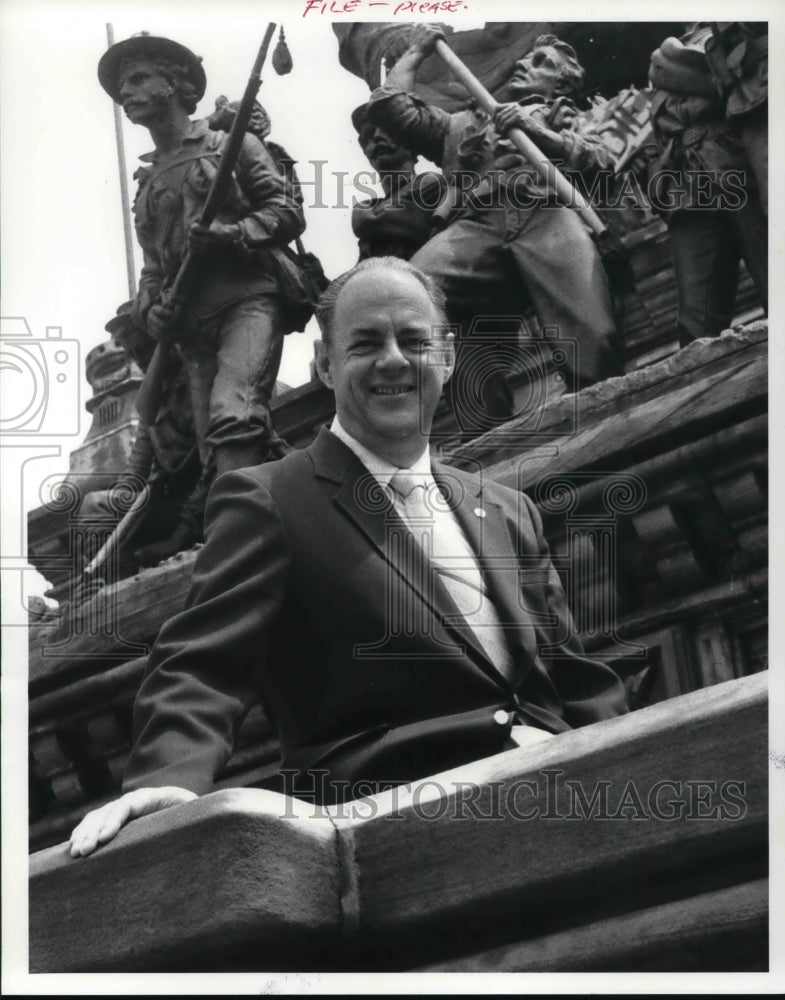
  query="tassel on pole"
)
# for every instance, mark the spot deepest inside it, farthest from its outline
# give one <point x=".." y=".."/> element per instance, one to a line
<point x="282" y="57"/>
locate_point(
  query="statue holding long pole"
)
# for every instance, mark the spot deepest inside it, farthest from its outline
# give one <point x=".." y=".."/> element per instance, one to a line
<point x="514" y="232"/>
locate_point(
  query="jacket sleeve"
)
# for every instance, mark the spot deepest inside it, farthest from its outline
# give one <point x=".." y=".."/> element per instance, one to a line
<point x="204" y="667"/>
<point x="589" y="690"/>
<point x="151" y="280"/>
<point x="584" y="152"/>
<point x="276" y="215"/>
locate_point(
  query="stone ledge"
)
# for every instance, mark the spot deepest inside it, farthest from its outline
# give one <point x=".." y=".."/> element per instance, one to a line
<point x="223" y="873"/>
<point x="428" y="871"/>
<point x="682" y="936"/>
<point x="251" y="879"/>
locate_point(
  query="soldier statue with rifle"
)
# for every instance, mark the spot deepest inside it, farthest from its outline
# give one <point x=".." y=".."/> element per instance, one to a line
<point x="226" y="311"/>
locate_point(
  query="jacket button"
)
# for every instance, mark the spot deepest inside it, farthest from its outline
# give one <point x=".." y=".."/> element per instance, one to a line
<point x="501" y="717"/>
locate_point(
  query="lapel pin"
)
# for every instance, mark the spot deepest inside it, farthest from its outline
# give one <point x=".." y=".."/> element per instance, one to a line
<point x="479" y="512"/>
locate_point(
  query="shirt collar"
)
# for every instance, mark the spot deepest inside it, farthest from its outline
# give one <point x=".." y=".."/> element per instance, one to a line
<point x="379" y="468"/>
<point x="196" y="130"/>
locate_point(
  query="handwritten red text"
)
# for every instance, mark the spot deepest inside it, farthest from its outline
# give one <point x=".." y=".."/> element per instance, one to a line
<point x="336" y="7"/>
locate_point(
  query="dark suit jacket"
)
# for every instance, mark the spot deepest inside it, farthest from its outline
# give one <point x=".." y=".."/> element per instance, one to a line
<point x="310" y="593"/>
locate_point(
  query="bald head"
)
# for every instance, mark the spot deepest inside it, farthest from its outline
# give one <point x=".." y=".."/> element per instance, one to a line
<point x="325" y="310"/>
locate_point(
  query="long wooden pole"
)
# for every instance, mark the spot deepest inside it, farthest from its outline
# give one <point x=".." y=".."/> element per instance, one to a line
<point x="124" y="199"/>
<point x="120" y="531"/>
<point x="566" y="192"/>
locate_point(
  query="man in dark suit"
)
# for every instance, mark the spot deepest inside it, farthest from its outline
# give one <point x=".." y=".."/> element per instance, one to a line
<point x="393" y="630"/>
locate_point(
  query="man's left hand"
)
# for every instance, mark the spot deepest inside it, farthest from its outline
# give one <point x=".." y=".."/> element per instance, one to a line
<point x="103" y="824"/>
<point x="219" y="234"/>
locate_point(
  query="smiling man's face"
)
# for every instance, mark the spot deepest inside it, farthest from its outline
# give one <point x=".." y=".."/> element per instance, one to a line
<point x="387" y="362"/>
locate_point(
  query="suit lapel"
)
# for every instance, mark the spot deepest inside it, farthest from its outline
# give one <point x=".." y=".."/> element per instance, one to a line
<point x="367" y="506"/>
<point x="359" y="496"/>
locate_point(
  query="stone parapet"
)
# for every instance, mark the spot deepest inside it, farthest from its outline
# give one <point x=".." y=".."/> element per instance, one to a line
<point x="614" y="837"/>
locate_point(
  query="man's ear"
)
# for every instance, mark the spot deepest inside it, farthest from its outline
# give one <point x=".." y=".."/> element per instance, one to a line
<point x="449" y="356"/>
<point x="322" y="360"/>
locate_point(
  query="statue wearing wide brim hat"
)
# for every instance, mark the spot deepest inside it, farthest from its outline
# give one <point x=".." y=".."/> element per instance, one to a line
<point x="154" y="47"/>
<point x="360" y="117"/>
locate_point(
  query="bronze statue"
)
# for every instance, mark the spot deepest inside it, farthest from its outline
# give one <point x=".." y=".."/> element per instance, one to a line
<point x="706" y="190"/>
<point x="738" y="55"/>
<point x="229" y="333"/>
<point x="506" y="244"/>
<point x="398" y="222"/>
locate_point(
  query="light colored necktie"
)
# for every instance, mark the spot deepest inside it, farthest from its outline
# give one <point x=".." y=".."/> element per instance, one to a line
<point x="439" y="535"/>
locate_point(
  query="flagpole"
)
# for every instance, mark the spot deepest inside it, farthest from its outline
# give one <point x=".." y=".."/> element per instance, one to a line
<point x="126" y="204"/>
